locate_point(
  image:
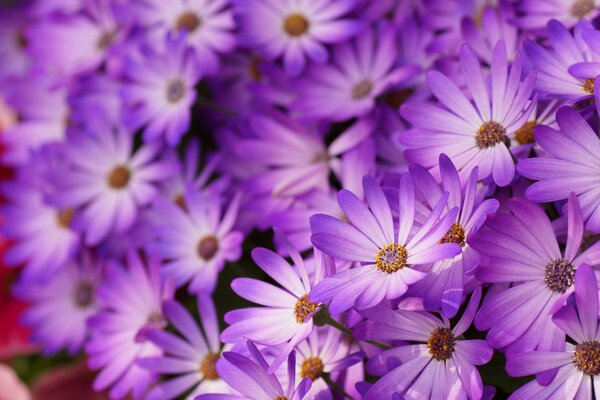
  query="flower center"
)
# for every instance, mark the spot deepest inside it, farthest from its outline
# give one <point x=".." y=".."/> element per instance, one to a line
<point x="587" y="357"/>
<point x="65" y="217"/>
<point x="84" y="295"/>
<point x="559" y="275"/>
<point x="207" y="247"/>
<point x="524" y="134"/>
<point x="304" y="309"/>
<point x="362" y="89"/>
<point x="489" y="134"/>
<point x="581" y="8"/>
<point x="119" y="177"/>
<point x="391" y="258"/>
<point x="441" y="344"/>
<point x="295" y="25"/>
<point x="208" y="367"/>
<point x="106" y="40"/>
<point x="254" y="68"/>
<point x="175" y="90"/>
<point x="312" y="368"/>
<point x="21" y="39"/>
<point x="188" y="21"/>
<point x="456" y="234"/>
<point x="180" y="201"/>
<point x="280" y="398"/>
<point x="588" y="85"/>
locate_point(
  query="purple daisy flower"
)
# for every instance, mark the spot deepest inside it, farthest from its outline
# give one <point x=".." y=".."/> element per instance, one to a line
<point x="103" y="175"/>
<point x="522" y="249"/>
<point x="534" y="14"/>
<point x="359" y="72"/>
<point x="191" y="357"/>
<point x="571" y="164"/>
<point x="60" y="307"/>
<point x="387" y="256"/>
<point x="208" y="26"/>
<point x="559" y="71"/>
<point x="295" y="30"/>
<point x="195" y="238"/>
<point x="251" y="377"/>
<point x="578" y="364"/>
<point x="41" y="234"/>
<point x="131" y="306"/>
<point x="159" y="91"/>
<point x="443" y="287"/>
<point x="440" y="365"/>
<point x="285" y="315"/>
<point x="471" y="134"/>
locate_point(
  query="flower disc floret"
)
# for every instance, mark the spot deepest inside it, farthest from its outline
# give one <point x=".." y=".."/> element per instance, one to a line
<point x="581" y="8"/>
<point x="189" y="21"/>
<point x="490" y="134"/>
<point x="296" y="25"/>
<point x="312" y="368"/>
<point x="524" y="135"/>
<point x="456" y="234"/>
<point x="441" y="344"/>
<point x="391" y="258"/>
<point x="208" y="247"/>
<point x="560" y="275"/>
<point x="304" y="309"/>
<point x="587" y="357"/>
<point x="588" y="85"/>
<point x="362" y="89"/>
<point x="119" y="177"/>
<point x="208" y="367"/>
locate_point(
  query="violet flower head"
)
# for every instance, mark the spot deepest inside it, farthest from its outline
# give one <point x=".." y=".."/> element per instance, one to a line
<point x="159" y="91"/>
<point x="195" y="237"/>
<point x="359" y="72"/>
<point x="253" y="379"/>
<point x="578" y="364"/>
<point x="523" y="248"/>
<point x="439" y="365"/>
<point x="294" y="30"/>
<point x="61" y="306"/>
<point x="571" y="164"/>
<point x="131" y="306"/>
<point x="471" y="134"/>
<point x="190" y="356"/>
<point x="387" y="256"/>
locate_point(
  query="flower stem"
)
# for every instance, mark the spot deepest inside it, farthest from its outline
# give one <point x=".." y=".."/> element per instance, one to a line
<point x="336" y="386"/>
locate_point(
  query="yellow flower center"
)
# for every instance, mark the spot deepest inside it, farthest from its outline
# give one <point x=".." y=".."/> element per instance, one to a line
<point x="490" y="134"/>
<point x="456" y="234"/>
<point x="312" y="368"/>
<point x="588" y="85"/>
<point x="119" y="177"/>
<point x="441" y="344"/>
<point x="587" y="357"/>
<point x="188" y="21"/>
<point x="581" y="8"/>
<point x="304" y="309"/>
<point x="524" y="134"/>
<point x="295" y="25"/>
<point x="391" y="258"/>
<point x="208" y="367"/>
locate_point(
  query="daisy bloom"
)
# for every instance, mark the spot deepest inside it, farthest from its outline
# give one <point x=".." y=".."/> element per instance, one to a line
<point x="295" y="30"/>
<point x="387" y="256"/>
<point x="571" y="163"/>
<point x="191" y="356"/>
<point x="131" y="306"/>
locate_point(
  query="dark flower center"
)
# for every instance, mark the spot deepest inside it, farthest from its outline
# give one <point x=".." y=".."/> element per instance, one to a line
<point x="304" y="309"/>
<point x="208" y="367"/>
<point x="180" y="201"/>
<point x="391" y="258"/>
<point x="524" y="134"/>
<point x="559" y="275"/>
<point x="84" y="295"/>
<point x="207" y="247"/>
<point x="295" y="25"/>
<point x="106" y="40"/>
<point x="490" y="134"/>
<point x="175" y="90"/>
<point x="65" y="217"/>
<point x="188" y="21"/>
<point x="119" y="177"/>
<point x="441" y="344"/>
<point x="312" y="368"/>
<point x="581" y="8"/>
<point x="588" y="85"/>
<point x="280" y="398"/>
<point x="21" y="39"/>
<point x="587" y="357"/>
<point x="456" y="234"/>
<point x="362" y="89"/>
<point x="254" y="68"/>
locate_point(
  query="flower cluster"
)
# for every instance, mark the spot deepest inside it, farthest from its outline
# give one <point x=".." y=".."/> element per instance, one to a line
<point x="305" y="199"/>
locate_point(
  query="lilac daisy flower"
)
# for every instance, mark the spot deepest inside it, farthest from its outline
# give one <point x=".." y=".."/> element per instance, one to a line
<point x="571" y="164"/>
<point x="443" y="287"/>
<point x="578" y="364"/>
<point x="285" y="315"/>
<point x="103" y="175"/>
<point x="195" y="238"/>
<point x="534" y="14"/>
<point x="522" y="248"/>
<point x="131" y="306"/>
<point x="251" y="377"/>
<point x="387" y="256"/>
<point x="295" y="30"/>
<point x="191" y="357"/>
<point x="61" y="306"/>
<point x="41" y="234"/>
<point x="208" y="25"/>
<point x="471" y="134"/>
<point x="558" y="72"/>
<point x="440" y="365"/>
<point x="159" y="91"/>
<point x="359" y="72"/>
